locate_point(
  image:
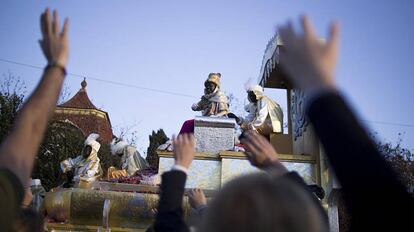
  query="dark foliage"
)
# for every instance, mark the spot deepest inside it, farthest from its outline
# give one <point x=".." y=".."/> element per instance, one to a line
<point x="156" y="139"/>
<point x="401" y="159"/>
<point x="62" y="140"/>
<point x="12" y="91"/>
<point x="108" y="160"/>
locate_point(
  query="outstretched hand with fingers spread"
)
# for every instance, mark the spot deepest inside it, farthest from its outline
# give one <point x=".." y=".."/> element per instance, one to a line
<point x="309" y="62"/>
<point x="197" y="198"/>
<point x="54" y="43"/>
<point x="184" y="149"/>
<point x="262" y="153"/>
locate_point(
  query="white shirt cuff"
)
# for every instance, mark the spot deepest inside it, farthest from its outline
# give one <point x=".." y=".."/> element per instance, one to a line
<point x="177" y="167"/>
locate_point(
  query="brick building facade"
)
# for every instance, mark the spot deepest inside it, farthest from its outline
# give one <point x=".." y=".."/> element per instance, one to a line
<point x="80" y="111"/>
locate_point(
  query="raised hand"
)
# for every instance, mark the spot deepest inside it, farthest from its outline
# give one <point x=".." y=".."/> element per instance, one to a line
<point x="184" y="149"/>
<point x="197" y="198"/>
<point x="262" y="153"/>
<point x="54" y="43"/>
<point x="309" y="62"/>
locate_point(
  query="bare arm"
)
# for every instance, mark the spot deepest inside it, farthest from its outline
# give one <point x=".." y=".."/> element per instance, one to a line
<point x="19" y="149"/>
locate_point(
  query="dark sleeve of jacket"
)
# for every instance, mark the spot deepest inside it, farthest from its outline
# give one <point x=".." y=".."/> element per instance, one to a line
<point x="375" y="198"/>
<point x="170" y="216"/>
<point x="297" y="179"/>
<point x="11" y="197"/>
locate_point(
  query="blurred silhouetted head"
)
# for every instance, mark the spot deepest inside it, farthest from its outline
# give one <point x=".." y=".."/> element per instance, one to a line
<point x="260" y="203"/>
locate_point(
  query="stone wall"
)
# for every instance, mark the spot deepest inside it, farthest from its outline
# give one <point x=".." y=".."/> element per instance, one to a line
<point x="214" y="134"/>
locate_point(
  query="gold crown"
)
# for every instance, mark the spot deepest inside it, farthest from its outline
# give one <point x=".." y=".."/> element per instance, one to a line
<point x="215" y="78"/>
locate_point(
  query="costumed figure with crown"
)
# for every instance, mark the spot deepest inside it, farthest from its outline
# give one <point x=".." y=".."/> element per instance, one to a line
<point x="213" y="103"/>
<point x="264" y="115"/>
<point x="85" y="167"/>
<point x="131" y="160"/>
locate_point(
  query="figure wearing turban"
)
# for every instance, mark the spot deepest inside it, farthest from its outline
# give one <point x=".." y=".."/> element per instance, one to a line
<point x="85" y="167"/>
<point x="265" y="115"/>
<point x="131" y="160"/>
<point x="214" y="102"/>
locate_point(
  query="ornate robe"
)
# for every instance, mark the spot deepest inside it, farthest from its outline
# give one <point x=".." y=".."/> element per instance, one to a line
<point x="265" y="116"/>
<point x="84" y="169"/>
<point x="131" y="162"/>
<point x="214" y="104"/>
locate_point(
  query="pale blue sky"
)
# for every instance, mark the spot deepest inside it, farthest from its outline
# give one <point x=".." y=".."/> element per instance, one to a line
<point x="173" y="45"/>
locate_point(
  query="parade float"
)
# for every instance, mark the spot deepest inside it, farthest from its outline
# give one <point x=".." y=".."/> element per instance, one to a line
<point x="128" y="204"/>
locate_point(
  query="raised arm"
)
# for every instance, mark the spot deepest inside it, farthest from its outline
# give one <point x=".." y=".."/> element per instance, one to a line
<point x="373" y="194"/>
<point x="18" y="150"/>
<point x="170" y="215"/>
<point x="263" y="156"/>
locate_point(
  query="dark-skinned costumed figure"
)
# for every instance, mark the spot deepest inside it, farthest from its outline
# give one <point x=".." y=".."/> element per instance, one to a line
<point x="85" y="167"/>
<point x="213" y="103"/>
<point x="264" y="115"/>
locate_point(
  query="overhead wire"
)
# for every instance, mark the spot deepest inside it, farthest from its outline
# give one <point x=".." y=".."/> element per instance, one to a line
<point x="104" y="81"/>
<point x="164" y="91"/>
<point x="389" y="123"/>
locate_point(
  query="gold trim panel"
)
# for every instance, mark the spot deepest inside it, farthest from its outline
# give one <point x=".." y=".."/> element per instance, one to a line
<point x="72" y="227"/>
<point x="198" y="155"/>
<point x="282" y="157"/>
<point x="240" y="155"/>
